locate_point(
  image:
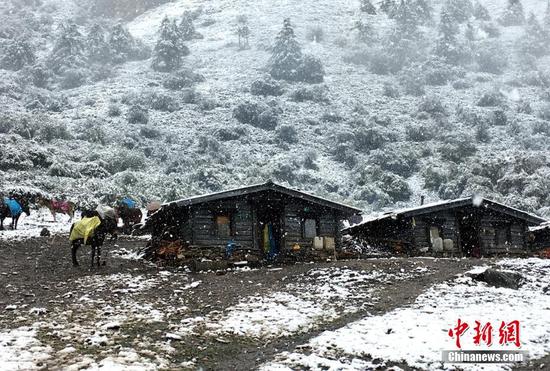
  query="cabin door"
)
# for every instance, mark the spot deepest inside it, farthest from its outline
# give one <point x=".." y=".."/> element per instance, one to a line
<point x="270" y="230"/>
<point x="469" y="235"/>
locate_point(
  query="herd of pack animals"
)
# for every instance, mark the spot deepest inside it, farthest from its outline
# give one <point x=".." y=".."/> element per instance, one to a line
<point x="91" y="229"/>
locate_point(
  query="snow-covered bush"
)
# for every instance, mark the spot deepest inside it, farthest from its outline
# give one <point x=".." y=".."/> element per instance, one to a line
<point x="163" y="102"/>
<point x="257" y="114"/>
<point x="399" y="160"/>
<point x="17" y="54"/>
<point x="412" y="81"/>
<point x="138" y="115"/>
<point x="287" y="134"/>
<point x="114" y="110"/>
<point x="73" y="78"/>
<point x="266" y="87"/>
<point x="316" y="93"/>
<point x="419" y="132"/>
<point x="207" y="103"/>
<point x="491" y="57"/>
<point x="119" y="160"/>
<point x="150" y="133"/>
<point x="50" y="130"/>
<point x="369" y="138"/>
<point x="544" y="112"/>
<point x="232" y="133"/>
<point x="498" y="118"/>
<point x="182" y="78"/>
<point x="390" y="90"/>
<point x="492" y="98"/>
<point x="434" y="176"/>
<point x="432" y="105"/>
<point x="93" y="132"/>
<point x="457" y="147"/>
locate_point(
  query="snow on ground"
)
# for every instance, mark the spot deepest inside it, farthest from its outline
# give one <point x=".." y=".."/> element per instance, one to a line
<point x="418" y="334"/>
<point x="317" y="297"/>
<point x="20" y="350"/>
<point x="31" y="225"/>
<point x="93" y="321"/>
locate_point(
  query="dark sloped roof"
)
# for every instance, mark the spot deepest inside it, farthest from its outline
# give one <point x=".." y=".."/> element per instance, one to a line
<point x="452" y="204"/>
<point x="268" y="186"/>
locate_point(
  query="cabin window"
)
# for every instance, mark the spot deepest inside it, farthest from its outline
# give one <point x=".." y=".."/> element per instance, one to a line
<point x="309" y="228"/>
<point x="224" y="226"/>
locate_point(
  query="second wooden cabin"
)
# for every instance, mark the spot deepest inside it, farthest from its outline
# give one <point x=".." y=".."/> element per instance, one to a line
<point x="462" y="227"/>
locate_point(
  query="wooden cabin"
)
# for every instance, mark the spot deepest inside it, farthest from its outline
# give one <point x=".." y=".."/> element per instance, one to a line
<point x="462" y="227"/>
<point x="266" y="218"/>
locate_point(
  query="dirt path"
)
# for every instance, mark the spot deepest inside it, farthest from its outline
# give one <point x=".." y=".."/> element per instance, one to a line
<point x="36" y="273"/>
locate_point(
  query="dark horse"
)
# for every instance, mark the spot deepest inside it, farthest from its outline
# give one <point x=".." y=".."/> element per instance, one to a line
<point x="5" y="211"/>
<point x="96" y="240"/>
<point x="130" y="216"/>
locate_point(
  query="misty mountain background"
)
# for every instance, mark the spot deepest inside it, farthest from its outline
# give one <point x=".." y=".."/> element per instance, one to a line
<point x="373" y="103"/>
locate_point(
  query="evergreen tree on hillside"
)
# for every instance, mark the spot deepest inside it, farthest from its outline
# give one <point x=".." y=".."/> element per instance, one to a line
<point x="68" y="50"/>
<point x="535" y="40"/>
<point x="367" y="7"/>
<point x="388" y="7"/>
<point x="546" y="21"/>
<point x="287" y="54"/>
<point x="169" y="50"/>
<point x="513" y="15"/>
<point x="460" y="10"/>
<point x="121" y="43"/>
<point x="243" y="32"/>
<point x="17" y="54"/>
<point x="447" y="42"/>
<point x="481" y="13"/>
<point x="423" y="9"/>
<point x="406" y="17"/>
<point x="96" y="44"/>
<point x="187" y="28"/>
<point x="365" y="33"/>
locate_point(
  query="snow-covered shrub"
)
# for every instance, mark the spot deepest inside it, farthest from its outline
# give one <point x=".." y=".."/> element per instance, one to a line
<point x="402" y="161"/>
<point x="457" y="147"/>
<point x="524" y="106"/>
<point x="381" y="63"/>
<point x="480" y="12"/>
<point x="498" y="118"/>
<point x="363" y="58"/>
<point x="434" y="177"/>
<point x="182" y="78"/>
<point x="390" y="90"/>
<point x="100" y="72"/>
<point x="412" y="81"/>
<point x="311" y="70"/>
<point x="114" y="110"/>
<point x="138" y="115"/>
<point x="119" y="160"/>
<point x="491" y="57"/>
<point x="315" y="33"/>
<point x="163" y="102"/>
<point x="150" y="133"/>
<point x="419" y="132"/>
<point x="208" y="145"/>
<point x="544" y="112"/>
<point x="536" y="78"/>
<point x="207" y="103"/>
<point x="17" y="54"/>
<point x="369" y="138"/>
<point x="232" y="133"/>
<point x="73" y="78"/>
<point x="437" y="72"/>
<point x="50" y="130"/>
<point x="491" y="29"/>
<point x="316" y="93"/>
<point x="395" y="186"/>
<point x="39" y="75"/>
<point x="310" y="160"/>
<point x="93" y="132"/>
<point x="266" y="87"/>
<point x="492" y="98"/>
<point x="287" y="134"/>
<point x="459" y="10"/>
<point x="66" y="169"/>
<point x="432" y="105"/>
<point x="95" y="169"/>
<point x="257" y="114"/>
<point x="331" y="116"/>
<point x="482" y="133"/>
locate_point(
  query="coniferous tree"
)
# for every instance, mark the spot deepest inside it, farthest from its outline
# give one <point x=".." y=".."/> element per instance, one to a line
<point x="243" y="32"/>
<point x="17" y="54"/>
<point x="367" y="7"/>
<point x="460" y="10"/>
<point x="121" y="43"/>
<point x="423" y="10"/>
<point x="187" y="28"/>
<point x="68" y="51"/>
<point x="481" y="13"/>
<point x="406" y="17"/>
<point x="447" y="42"/>
<point x="364" y="30"/>
<point x="535" y="40"/>
<point x="513" y="15"/>
<point x="287" y="54"/>
<point x="388" y="7"/>
<point x="96" y="44"/>
<point x="169" y="50"/>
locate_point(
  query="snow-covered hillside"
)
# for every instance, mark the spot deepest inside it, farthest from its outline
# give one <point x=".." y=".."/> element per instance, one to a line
<point x="369" y="138"/>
